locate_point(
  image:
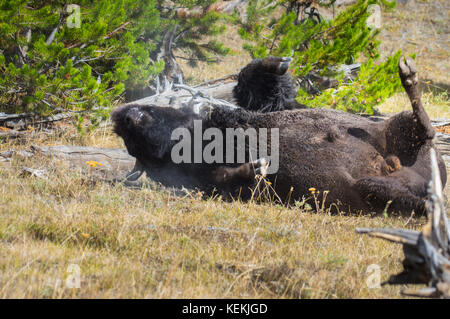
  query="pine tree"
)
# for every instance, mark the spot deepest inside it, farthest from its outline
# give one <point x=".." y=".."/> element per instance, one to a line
<point x="50" y="60"/>
<point x="320" y="46"/>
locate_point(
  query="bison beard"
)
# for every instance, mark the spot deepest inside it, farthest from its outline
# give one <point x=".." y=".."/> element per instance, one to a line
<point x="362" y="164"/>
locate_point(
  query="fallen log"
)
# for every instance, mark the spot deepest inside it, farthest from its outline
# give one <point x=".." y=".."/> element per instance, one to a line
<point x="12" y="133"/>
<point x="112" y="164"/>
<point x="19" y="122"/>
<point x="427" y="253"/>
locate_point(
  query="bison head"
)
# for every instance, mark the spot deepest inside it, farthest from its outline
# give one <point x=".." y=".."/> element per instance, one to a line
<point x="146" y="130"/>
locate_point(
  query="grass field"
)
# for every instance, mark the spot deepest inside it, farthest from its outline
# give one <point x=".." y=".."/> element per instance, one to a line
<point x="145" y="243"/>
<point x="138" y="243"/>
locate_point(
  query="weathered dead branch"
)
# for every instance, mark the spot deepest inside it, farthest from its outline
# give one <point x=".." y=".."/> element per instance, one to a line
<point x="181" y="95"/>
<point x="19" y="122"/>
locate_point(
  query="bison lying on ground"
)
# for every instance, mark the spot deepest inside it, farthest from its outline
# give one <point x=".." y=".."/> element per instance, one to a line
<point x="362" y="164"/>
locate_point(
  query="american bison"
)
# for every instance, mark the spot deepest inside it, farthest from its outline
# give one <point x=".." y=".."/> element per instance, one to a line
<point x="358" y="163"/>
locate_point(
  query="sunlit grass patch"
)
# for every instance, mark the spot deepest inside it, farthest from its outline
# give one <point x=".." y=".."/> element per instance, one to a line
<point x="437" y="105"/>
<point x="147" y="243"/>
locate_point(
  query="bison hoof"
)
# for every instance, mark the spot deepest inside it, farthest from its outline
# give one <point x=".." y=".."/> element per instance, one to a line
<point x="408" y="71"/>
<point x="284" y="65"/>
<point x="136" y="172"/>
<point x="133" y="176"/>
<point x="261" y="166"/>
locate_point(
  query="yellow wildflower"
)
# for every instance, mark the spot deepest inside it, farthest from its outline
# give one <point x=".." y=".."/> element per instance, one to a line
<point x="93" y="163"/>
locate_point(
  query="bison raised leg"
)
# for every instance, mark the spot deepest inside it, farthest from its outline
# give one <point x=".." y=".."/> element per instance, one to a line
<point x="408" y="132"/>
<point x="410" y="80"/>
<point x="409" y="135"/>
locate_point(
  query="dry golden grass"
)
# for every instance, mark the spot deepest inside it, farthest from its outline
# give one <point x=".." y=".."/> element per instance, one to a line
<point x="230" y="64"/>
<point x="133" y="243"/>
<point x="436" y="105"/>
<point x="421" y="27"/>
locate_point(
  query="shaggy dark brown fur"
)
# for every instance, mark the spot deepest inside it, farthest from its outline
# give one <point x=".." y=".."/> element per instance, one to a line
<point x="146" y="131"/>
<point x="264" y="85"/>
<point x="362" y="164"/>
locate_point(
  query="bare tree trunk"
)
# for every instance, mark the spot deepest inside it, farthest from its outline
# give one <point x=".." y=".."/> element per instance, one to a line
<point x="172" y="72"/>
